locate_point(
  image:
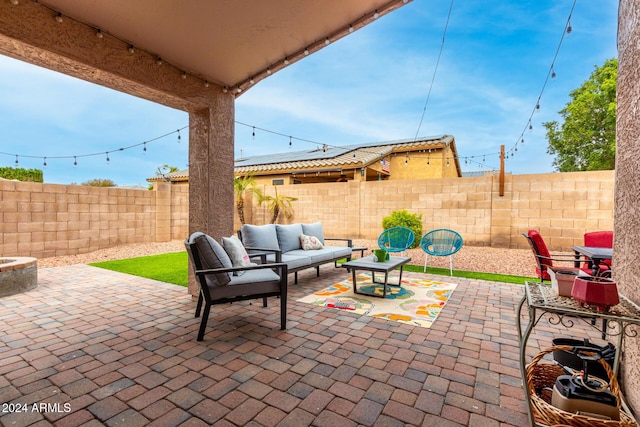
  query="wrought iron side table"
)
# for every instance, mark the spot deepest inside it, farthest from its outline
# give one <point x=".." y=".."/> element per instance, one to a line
<point x="565" y="311"/>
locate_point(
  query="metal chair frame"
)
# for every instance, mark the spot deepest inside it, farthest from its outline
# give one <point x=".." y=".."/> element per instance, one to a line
<point x="441" y="242"/>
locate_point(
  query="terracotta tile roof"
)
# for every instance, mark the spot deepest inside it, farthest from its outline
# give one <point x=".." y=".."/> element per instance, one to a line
<point x="181" y="175"/>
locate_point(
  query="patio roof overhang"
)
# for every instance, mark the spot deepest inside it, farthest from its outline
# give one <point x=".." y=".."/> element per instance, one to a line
<point x="230" y="44"/>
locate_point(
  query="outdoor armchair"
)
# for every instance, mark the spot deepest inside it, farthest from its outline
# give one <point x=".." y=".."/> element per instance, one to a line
<point x="222" y="283"/>
<point x="544" y="259"/>
<point x="441" y="242"/>
<point x="396" y="239"/>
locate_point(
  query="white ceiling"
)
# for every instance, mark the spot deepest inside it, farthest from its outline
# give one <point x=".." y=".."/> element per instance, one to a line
<point x="225" y="41"/>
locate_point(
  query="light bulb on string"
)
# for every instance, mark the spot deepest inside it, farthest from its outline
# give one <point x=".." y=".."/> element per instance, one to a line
<point x="553" y="73"/>
<point x="144" y="148"/>
<point x="290" y="142"/>
<point x="44" y="164"/>
<point x="179" y="137"/>
<point x="253" y="133"/>
<point x="99" y="34"/>
<point x="131" y="49"/>
<point x="59" y="18"/>
<point x="538" y="106"/>
<point x="530" y="125"/>
<point x="107" y="153"/>
<point x="569" y="28"/>
<point x="75" y="161"/>
<point x="522" y="141"/>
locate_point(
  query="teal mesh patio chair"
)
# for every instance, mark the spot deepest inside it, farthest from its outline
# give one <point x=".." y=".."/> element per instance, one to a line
<point x="396" y="239"/>
<point x="441" y="242"/>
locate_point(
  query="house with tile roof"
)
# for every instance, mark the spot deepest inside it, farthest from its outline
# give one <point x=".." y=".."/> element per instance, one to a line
<point x="429" y="157"/>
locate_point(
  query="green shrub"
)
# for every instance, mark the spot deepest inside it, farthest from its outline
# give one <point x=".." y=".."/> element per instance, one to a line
<point x="21" y="174"/>
<point x="405" y="219"/>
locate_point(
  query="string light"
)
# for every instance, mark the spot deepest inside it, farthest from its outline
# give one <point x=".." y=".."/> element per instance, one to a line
<point x="435" y="70"/>
<point x="59" y="18"/>
<point x="99" y="34"/>
<point x="44" y="164"/>
<point x="550" y="74"/>
<point x="179" y="138"/>
<point x="253" y="133"/>
<point x="75" y="157"/>
<point x="131" y="49"/>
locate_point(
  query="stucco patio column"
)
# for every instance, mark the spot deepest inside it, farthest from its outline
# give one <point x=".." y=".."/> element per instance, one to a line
<point x="211" y="134"/>
<point x="626" y="246"/>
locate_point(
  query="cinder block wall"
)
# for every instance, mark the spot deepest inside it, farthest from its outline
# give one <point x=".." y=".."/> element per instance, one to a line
<point x="44" y="220"/>
<point x="562" y="206"/>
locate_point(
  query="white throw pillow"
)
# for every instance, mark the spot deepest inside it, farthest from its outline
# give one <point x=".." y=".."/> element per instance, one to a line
<point x="310" y="243"/>
<point x="237" y="253"/>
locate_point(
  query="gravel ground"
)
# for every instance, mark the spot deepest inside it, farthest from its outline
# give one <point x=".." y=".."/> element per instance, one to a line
<point x="471" y="258"/>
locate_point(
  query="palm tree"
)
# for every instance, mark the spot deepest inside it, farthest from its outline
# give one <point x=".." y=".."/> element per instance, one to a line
<point x="277" y="204"/>
<point x="241" y="184"/>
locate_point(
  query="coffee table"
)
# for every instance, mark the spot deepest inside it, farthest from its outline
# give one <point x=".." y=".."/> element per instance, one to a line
<point x="368" y="264"/>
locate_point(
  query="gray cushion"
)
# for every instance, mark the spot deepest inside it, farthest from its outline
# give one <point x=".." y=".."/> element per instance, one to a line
<point x="327" y="253"/>
<point x="314" y="229"/>
<point x="250" y="283"/>
<point x="292" y="261"/>
<point x="259" y="236"/>
<point x="289" y="236"/>
<point x="212" y="255"/>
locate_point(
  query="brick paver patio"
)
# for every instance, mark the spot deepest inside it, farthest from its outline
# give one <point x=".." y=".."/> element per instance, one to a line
<point x="95" y="347"/>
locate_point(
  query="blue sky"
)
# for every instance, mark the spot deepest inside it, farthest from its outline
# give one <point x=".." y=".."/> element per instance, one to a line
<point x="370" y="86"/>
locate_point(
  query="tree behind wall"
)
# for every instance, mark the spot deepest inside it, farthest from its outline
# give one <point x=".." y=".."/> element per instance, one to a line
<point x="586" y="140"/>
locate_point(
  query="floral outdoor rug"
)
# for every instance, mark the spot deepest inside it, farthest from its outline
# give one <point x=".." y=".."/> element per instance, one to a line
<point x="417" y="302"/>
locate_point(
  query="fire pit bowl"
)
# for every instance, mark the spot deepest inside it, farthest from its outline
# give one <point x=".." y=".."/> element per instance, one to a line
<point x="17" y="274"/>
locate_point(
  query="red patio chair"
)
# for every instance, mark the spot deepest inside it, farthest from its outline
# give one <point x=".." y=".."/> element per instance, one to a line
<point x="544" y="259"/>
<point x="599" y="239"/>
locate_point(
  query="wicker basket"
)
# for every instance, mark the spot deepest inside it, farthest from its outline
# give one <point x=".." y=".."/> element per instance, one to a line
<point x="543" y="375"/>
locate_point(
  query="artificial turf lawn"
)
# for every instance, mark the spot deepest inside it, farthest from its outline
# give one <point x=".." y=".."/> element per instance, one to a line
<point x="172" y="268"/>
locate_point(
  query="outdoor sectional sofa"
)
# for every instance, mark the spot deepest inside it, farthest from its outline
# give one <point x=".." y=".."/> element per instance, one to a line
<point x="283" y="244"/>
